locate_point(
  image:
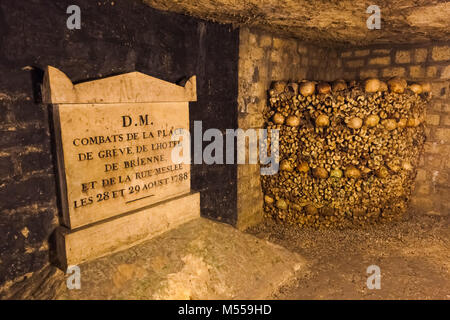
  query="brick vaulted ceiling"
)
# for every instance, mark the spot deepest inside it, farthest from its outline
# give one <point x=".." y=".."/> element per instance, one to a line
<point x="327" y="22"/>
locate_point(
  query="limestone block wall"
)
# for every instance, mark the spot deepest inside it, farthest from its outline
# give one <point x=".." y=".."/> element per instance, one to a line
<point x="263" y="58"/>
<point x="417" y="63"/>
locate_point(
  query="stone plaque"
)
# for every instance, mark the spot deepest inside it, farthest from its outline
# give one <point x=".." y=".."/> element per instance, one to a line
<point x="114" y="143"/>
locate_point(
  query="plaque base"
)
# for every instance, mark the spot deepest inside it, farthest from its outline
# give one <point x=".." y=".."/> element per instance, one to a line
<point x="105" y="237"/>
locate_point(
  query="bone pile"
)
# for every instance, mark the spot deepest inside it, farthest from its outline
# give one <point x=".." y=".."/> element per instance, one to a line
<point x="348" y="151"/>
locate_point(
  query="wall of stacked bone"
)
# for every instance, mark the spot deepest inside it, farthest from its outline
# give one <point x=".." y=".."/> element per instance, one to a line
<point x="421" y="62"/>
<point x="263" y="58"/>
<point x="348" y="151"/>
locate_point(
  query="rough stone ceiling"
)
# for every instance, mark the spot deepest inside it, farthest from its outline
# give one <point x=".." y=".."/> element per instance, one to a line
<point x="327" y="22"/>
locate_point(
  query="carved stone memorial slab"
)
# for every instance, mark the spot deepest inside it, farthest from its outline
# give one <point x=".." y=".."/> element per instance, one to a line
<point x="118" y="184"/>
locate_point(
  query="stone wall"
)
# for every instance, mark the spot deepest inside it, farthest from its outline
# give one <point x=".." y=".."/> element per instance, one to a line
<point x="417" y="63"/>
<point x="264" y="58"/>
<point x="115" y="37"/>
